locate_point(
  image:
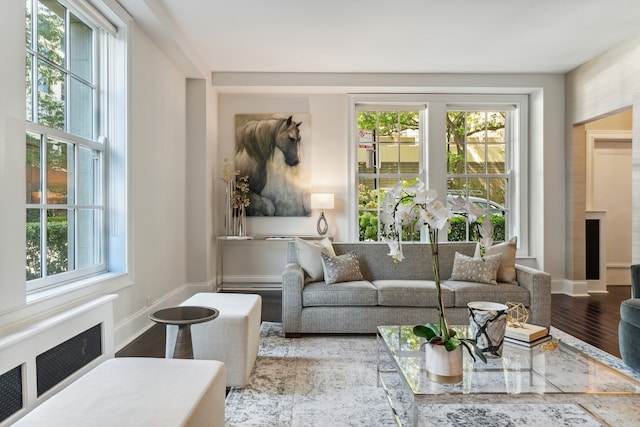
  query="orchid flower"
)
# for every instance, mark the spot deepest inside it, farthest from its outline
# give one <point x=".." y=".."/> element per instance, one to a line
<point x="395" y="250"/>
<point x="473" y="212"/>
<point x="486" y="236"/>
<point x="424" y="197"/>
<point x="404" y="207"/>
<point x="396" y="192"/>
<point x="403" y="215"/>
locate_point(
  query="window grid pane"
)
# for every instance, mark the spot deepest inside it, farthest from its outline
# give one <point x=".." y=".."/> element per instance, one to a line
<point x="477" y="165"/>
<point x="29" y="85"/>
<point x="59" y="172"/>
<point x="51" y="31"/>
<point x="389" y="147"/>
<point x="80" y="108"/>
<point x="34" y="245"/>
<point x="33" y="171"/>
<point x="51" y="92"/>
<point x="59" y="236"/>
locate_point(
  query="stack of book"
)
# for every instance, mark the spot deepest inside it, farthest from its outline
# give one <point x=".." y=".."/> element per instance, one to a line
<point x="526" y="335"/>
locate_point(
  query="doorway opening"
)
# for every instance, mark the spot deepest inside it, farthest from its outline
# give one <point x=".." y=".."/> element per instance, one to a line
<point x="606" y="237"/>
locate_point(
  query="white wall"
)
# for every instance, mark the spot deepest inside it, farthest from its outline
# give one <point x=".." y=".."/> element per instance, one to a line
<point x="12" y="158"/>
<point x="606" y="84"/>
<point x="157" y="151"/>
<point x="326" y="98"/>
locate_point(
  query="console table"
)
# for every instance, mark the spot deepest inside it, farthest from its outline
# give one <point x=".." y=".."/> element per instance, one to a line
<point x="252" y="262"/>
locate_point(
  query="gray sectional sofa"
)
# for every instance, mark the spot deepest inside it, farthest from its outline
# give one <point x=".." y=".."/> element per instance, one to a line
<point x="399" y="293"/>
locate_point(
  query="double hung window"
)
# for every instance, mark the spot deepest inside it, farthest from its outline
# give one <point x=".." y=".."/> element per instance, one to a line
<point x="478" y="166"/>
<point x="65" y="144"/>
<point x="389" y="151"/>
<point x="455" y="144"/>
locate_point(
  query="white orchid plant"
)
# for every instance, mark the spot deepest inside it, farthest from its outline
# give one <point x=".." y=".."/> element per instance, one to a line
<point x="416" y="206"/>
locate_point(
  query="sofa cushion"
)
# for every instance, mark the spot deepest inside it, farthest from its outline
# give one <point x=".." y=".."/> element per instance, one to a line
<point x="466" y="292"/>
<point x="359" y="292"/>
<point x="507" y="251"/>
<point x="342" y="268"/>
<point x="470" y="269"/>
<point x="308" y="253"/>
<point x="411" y="293"/>
<point x="630" y="311"/>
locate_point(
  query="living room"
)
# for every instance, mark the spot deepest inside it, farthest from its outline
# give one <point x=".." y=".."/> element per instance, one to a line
<point x="177" y="121"/>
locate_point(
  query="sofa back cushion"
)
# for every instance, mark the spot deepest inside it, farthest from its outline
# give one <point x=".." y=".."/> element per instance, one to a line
<point x="376" y="264"/>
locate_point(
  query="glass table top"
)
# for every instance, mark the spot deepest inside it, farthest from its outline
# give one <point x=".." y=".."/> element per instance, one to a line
<point x="565" y="371"/>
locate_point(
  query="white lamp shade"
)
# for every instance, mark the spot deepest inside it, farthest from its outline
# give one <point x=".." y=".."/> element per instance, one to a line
<point x="321" y="201"/>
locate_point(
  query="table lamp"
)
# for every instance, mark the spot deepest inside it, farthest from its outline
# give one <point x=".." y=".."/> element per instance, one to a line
<point x="322" y="201"/>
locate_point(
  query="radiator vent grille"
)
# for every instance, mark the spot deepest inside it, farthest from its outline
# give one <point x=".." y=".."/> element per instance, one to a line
<point x="57" y="363"/>
<point x="10" y="392"/>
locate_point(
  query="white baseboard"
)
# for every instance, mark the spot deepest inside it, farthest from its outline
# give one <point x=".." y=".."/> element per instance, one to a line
<point x="135" y="325"/>
<point x="574" y="288"/>
<point x="618" y="274"/>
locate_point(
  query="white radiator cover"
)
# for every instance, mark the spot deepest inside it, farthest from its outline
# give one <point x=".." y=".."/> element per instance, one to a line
<point x="23" y="345"/>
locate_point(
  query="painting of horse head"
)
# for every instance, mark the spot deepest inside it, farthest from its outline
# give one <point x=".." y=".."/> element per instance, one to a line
<point x="288" y="141"/>
<point x="268" y="151"/>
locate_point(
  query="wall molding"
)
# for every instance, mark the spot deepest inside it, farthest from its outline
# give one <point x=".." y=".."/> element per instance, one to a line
<point x="574" y="288"/>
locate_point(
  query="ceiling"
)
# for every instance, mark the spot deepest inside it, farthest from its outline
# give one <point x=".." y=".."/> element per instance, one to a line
<point x="382" y="36"/>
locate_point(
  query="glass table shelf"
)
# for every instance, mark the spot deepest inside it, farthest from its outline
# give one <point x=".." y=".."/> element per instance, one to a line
<point x="533" y="375"/>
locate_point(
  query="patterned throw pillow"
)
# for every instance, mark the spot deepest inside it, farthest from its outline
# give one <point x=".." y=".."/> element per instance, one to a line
<point x="480" y="270"/>
<point x="341" y="268"/>
<point x="507" y="269"/>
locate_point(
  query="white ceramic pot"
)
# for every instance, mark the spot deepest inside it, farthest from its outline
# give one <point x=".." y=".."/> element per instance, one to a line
<point x="443" y="366"/>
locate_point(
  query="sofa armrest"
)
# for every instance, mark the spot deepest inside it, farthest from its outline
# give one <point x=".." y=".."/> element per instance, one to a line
<point x="292" y="285"/>
<point x="538" y="283"/>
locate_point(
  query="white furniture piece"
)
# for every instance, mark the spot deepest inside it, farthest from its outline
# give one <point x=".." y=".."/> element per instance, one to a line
<point x="268" y="255"/>
<point x="138" y="392"/>
<point x="232" y="338"/>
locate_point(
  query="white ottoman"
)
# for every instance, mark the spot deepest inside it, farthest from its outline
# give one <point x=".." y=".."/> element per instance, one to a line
<point x="232" y="338"/>
<point x="136" y="392"/>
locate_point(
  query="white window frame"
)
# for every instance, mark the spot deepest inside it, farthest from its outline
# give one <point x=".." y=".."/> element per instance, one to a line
<point x="400" y="176"/>
<point x="113" y="73"/>
<point x="435" y="149"/>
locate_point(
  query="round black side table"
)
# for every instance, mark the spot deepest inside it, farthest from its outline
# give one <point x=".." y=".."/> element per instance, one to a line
<point x="184" y="317"/>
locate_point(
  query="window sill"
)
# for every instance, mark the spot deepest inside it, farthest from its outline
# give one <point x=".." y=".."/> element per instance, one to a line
<point x="91" y="286"/>
<point x="45" y="303"/>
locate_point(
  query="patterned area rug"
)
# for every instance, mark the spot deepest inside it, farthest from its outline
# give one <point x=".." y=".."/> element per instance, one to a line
<point x="330" y="380"/>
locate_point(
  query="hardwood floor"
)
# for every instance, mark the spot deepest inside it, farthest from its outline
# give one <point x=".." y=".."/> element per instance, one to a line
<point x="593" y="319"/>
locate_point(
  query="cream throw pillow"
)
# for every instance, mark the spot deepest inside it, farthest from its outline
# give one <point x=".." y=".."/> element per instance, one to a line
<point x="471" y="269"/>
<point x="507" y="269"/>
<point x="308" y="252"/>
<point x="342" y="268"/>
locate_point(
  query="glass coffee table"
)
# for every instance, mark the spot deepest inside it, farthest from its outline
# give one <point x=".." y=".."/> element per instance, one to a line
<point x="528" y="375"/>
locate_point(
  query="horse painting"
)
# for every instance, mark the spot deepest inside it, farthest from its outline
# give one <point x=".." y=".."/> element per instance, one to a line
<point x="268" y="152"/>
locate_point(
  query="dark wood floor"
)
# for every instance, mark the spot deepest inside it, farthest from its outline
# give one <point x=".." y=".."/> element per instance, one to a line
<point x="593" y="319"/>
